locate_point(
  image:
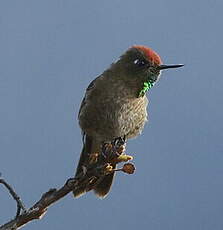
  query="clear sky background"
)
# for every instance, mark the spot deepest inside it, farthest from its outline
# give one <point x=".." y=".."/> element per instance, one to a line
<point x="50" y="50"/>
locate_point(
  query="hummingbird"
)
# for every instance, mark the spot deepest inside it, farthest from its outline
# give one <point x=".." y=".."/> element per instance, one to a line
<point x="115" y="106"/>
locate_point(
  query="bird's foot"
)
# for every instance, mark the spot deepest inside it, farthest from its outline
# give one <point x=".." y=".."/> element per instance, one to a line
<point x="121" y="149"/>
<point x="119" y="145"/>
<point x="114" y="149"/>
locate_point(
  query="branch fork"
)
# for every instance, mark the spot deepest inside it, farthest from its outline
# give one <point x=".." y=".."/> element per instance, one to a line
<point x="101" y="165"/>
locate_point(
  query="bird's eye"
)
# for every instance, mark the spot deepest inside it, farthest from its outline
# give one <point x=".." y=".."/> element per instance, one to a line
<point x="139" y="62"/>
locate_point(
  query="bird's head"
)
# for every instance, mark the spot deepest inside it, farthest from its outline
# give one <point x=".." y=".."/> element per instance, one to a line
<point x="142" y="65"/>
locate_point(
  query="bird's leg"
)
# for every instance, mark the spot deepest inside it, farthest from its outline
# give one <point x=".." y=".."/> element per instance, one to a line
<point x="120" y="144"/>
<point x="104" y="163"/>
<point x="114" y="152"/>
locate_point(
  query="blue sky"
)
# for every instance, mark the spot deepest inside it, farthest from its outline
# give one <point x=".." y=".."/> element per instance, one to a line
<point x="51" y="50"/>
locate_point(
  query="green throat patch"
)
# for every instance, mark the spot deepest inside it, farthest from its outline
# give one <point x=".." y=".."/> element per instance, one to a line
<point x="146" y="86"/>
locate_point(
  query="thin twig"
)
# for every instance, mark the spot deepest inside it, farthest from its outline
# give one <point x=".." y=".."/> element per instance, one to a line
<point x="38" y="210"/>
<point x="20" y="205"/>
<point x="111" y="154"/>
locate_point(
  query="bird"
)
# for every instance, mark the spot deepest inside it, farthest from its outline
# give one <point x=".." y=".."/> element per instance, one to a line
<point x="115" y="106"/>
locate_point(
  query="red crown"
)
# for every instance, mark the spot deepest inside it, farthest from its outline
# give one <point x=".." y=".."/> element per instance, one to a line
<point x="150" y="54"/>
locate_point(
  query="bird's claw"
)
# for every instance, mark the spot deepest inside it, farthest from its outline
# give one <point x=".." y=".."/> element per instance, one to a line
<point x="121" y="149"/>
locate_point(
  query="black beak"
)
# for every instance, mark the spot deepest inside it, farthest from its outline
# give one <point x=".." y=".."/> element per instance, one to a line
<point x="161" y="67"/>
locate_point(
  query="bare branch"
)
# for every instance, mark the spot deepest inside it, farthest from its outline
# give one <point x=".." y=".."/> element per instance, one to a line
<point x="20" y="205"/>
<point x="87" y="178"/>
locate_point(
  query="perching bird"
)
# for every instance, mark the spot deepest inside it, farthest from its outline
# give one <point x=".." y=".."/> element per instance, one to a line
<point x="115" y="105"/>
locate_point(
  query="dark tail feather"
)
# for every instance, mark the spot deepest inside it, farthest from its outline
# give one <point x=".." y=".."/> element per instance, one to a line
<point x="87" y="145"/>
<point x="103" y="187"/>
